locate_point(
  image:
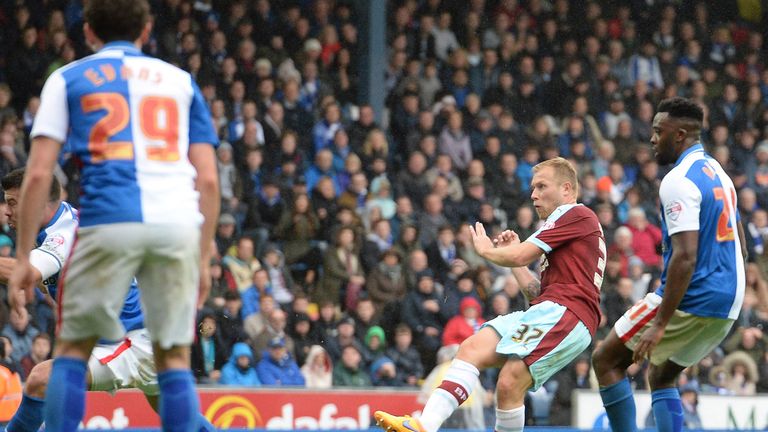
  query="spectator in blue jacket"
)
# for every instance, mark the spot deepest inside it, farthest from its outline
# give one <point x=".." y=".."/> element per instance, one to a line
<point x="277" y="367"/>
<point x="239" y="370"/>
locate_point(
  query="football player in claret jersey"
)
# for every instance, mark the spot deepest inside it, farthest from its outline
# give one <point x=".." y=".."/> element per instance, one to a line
<point x="533" y="345"/>
<point x="702" y="284"/>
<point x="127" y="363"/>
<point x="145" y="141"/>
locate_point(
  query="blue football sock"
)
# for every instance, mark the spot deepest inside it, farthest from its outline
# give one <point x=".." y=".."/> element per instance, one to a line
<point x="203" y="425"/>
<point x="29" y="416"/>
<point x="667" y="410"/>
<point x="65" y="398"/>
<point x="179" y="405"/>
<point x="620" y="406"/>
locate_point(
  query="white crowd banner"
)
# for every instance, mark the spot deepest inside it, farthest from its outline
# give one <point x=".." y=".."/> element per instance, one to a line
<point x="715" y="411"/>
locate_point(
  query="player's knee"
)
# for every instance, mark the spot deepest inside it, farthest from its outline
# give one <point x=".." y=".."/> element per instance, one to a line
<point x="598" y="360"/>
<point x="512" y="384"/>
<point x="37" y="381"/>
<point x="659" y="378"/>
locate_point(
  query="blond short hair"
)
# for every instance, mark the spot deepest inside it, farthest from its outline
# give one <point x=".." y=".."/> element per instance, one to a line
<point x="564" y="172"/>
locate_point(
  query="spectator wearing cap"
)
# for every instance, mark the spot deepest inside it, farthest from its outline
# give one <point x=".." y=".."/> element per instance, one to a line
<point x="422" y="312"/>
<point x="277" y="367"/>
<point x="239" y="370"/>
<point x="386" y="282"/>
<point x="225" y="233"/>
<point x="465" y="324"/>
<point x="349" y="369"/>
<point x="275" y="326"/>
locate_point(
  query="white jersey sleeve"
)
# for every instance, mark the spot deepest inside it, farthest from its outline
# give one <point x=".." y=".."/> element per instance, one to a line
<point x="52" y="118"/>
<point x="681" y="203"/>
<point x="49" y="257"/>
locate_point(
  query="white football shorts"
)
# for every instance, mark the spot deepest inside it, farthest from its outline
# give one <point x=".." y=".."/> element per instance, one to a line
<point x="104" y="260"/>
<point x="126" y="364"/>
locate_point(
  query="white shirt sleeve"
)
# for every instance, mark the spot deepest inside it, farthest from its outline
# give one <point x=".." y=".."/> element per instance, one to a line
<point x="52" y="119"/>
<point x="681" y="203"/>
<point x="49" y="257"/>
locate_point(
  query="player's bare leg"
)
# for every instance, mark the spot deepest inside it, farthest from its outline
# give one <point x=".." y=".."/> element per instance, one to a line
<point x="514" y="381"/>
<point x="611" y="360"/>
<point x="476" y="352"/>
<point x="176" y="357"/>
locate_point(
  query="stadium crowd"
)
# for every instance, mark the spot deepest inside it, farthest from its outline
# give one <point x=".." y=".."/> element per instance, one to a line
<point x="343" y="251"/>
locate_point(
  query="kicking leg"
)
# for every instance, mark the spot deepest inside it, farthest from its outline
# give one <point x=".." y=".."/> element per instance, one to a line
<point x="611" y="360"/>
<point x="476" y="352"/>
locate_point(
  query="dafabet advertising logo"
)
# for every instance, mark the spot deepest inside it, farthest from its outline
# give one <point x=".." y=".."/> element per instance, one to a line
<point x="227" y="411"/>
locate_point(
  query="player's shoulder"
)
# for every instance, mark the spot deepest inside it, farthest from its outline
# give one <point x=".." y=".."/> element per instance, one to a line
<point x="577" y="211"/>
<point x="66" y="215"/>
<point x="569" y="213"/>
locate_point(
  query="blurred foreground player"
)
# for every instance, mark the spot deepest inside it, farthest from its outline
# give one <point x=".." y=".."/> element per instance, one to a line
<point x="125" y="364"/>
<point x="702" y="285"/>
<point x="533" y="345"/>
<point x="144" y="138"/>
